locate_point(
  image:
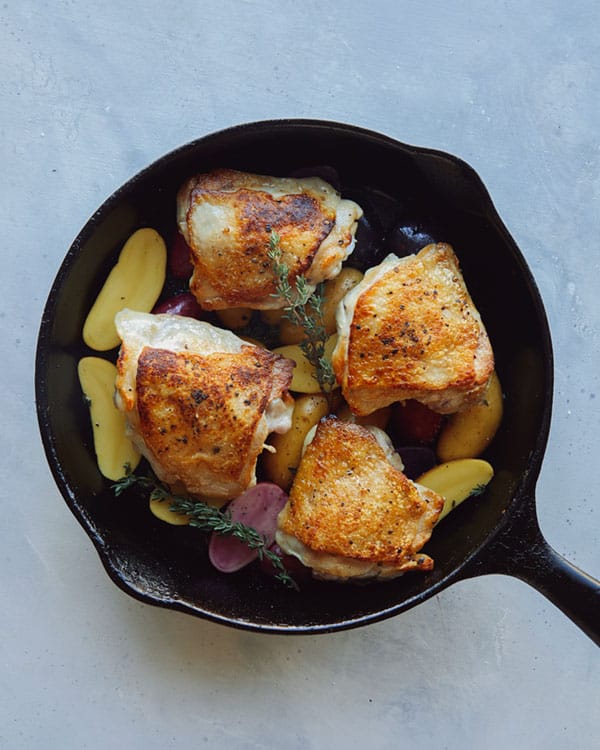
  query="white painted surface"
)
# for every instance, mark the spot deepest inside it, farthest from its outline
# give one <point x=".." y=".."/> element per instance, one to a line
<point x="92" y="93"/>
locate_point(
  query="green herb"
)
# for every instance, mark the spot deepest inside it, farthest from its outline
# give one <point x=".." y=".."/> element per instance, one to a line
<point x="304" y="308"/>
<point x="207" y="518"/>
<point x="478" y="490"/>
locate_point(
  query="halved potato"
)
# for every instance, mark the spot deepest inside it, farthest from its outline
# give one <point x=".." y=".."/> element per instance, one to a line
<point x="334" y="290"/>
<point x="468" y="433"/>
<point x="161" y="509"/>
<point x="114" y="450"/>
<point x="304" y="379"/>
<point x="457" y="480"/>
<point x="280" y="466"/>
<point x="136" y="282"/>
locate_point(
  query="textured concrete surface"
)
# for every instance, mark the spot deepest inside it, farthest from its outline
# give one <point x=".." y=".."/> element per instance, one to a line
<point x="92" y="93"/>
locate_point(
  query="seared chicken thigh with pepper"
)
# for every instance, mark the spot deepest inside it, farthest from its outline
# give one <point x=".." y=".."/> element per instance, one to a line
<point x="351" y="514"/>
<point x="410" y="330"/>
<point x="227" y="218"/>
<point x="199" y="401"/>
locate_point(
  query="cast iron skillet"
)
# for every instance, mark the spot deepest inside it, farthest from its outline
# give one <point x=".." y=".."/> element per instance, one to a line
<point x="495" y="533"/>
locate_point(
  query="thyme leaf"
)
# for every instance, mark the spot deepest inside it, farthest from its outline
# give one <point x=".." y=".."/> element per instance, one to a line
<point x="207" y="518"/>
<point x="304" y="308"/>
<point x="478" y="490"/>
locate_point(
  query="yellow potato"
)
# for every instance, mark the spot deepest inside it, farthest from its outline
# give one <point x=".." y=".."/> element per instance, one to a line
<point x="114" y="450"/>
<point x="334" y="291"/>
<point x="467" y="434"/>
<point x="161" y="509"/>
<point x="136" y="282"/>
<point x="280" y="466"/>
<point x="304" y="379"/>
<point x="235" y="317"/>
<point x="457" y="480"/>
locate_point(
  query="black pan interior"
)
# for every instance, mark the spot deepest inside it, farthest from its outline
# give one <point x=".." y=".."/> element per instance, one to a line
<point x="167" y="565"/>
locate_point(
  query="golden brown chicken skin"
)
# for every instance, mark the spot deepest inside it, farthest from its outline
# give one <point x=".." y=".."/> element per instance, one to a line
<point x="227" y="217"/>
<point x="199" y="408"/>
<point x="410" y="330"/>
<point x="199" y="415"/>
<point x="351" y="514"/>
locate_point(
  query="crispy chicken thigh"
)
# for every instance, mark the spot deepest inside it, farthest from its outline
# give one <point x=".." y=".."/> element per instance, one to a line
<point x="227" y="217"/>
<point x="199" y="401"/>
<point x="351" y="514"/>
<point x="410" y="330"/>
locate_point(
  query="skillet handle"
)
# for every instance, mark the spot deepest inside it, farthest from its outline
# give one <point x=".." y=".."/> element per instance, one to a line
<point x="520" y="550"/>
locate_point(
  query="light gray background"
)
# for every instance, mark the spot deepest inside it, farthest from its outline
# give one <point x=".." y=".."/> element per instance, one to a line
<point x="91" y="93"/>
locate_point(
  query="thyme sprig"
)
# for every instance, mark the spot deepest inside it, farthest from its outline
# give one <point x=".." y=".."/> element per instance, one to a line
<point x="304" y="308"/>
<point x="207" y="518"/>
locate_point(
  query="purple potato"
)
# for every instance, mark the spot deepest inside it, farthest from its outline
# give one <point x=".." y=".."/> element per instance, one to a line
<point x="180" y="265"/>
<point x="257" y="507"/>
<point x="369" y="250"/>
<point x="408" y="237"/>
<point x="417" y="459"/>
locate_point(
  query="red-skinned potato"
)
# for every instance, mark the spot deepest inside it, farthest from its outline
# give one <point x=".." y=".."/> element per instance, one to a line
<point x="182" y="304"/>
<point x="257" y="507"/>
<point x="415" y="424"/>
<point x="179" y="262"/>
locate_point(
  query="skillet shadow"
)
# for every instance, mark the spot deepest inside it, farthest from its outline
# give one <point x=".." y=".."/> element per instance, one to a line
<point x="181" y="650"/>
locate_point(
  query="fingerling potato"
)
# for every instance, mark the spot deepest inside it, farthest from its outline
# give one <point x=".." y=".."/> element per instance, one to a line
<point x="279" y="467"/>
<point x="304" y="378"/>
<point x="161" y="509"/>
<point x="136" y="282"/>
<point x="457" y="480"/>
<point x="468" y="433"/>
<point x="114" y="450"/>
<point x="334" y="291"/>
